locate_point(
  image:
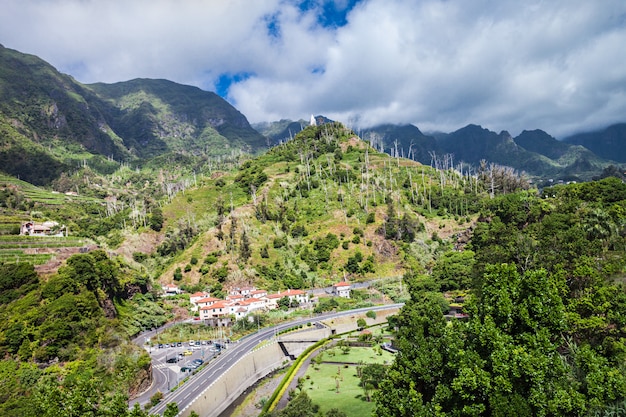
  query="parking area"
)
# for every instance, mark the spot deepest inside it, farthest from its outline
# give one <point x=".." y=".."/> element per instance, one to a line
<point x="179" y="360"/>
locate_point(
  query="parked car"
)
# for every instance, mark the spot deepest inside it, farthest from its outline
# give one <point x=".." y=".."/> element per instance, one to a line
<point x="187" y="352"/>
<point x="160" y="345"/>
<point x="179" y="344"/>
<point x="172" y="360"/>
<point x="197" y="361"/>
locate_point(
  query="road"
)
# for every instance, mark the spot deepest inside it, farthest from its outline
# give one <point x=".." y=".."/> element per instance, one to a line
<point x="164" y="373"/>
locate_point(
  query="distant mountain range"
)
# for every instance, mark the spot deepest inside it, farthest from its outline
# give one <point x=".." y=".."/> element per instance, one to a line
<point x="50" y="123"/>
<point x="535" y="152"/>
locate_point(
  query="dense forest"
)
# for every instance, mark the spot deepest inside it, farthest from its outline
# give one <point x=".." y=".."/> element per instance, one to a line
<point x="546" y="332"/>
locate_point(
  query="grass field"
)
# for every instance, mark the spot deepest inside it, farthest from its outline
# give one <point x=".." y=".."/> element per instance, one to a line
<point x="321" y="384"/>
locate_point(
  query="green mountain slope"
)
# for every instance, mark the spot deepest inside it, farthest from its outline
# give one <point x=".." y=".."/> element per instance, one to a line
<point x="405" y="140"/>
<point x="50" y="123"/>
<point x="322" y="207"/>
<point x="609" y="143"/>
<point x="157" y="116"/>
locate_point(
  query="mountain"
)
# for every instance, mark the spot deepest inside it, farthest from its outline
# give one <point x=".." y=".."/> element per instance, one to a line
<point x="46" y="116"/>
<point x="403" y="140"/>
<point x="609" y="143"/>
<point x="157" y="116"/>
<point x="50" y="123"/>
<point x="280" y="131"/>
<point x="542" y="143"/>
<point x="534" y="152"/>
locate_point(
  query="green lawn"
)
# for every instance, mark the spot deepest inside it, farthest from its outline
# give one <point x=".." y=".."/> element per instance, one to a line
<point x="357" y="354"/>
<point x="321" y="384"/>
<point x="322" y="388"/>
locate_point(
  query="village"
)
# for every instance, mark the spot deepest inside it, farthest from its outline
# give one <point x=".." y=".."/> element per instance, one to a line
<point x="243" y="301"/>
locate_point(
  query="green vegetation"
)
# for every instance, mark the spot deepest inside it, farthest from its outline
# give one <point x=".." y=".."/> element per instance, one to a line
<point x="546" y="330"/>
<point x="81" y="318"/>
<point x="160" y="177"/>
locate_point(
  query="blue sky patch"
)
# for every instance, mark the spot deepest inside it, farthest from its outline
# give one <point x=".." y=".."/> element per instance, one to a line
<point x="224" y="81"/>
<point x="272" y="24"/>
<point x="330" y="14"/>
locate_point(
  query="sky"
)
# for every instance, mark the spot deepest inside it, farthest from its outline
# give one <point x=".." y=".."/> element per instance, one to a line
<point x="555" y="65"/>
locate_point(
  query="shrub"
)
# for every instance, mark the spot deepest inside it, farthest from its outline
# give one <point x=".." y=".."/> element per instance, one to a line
<point x="178" y="274"/>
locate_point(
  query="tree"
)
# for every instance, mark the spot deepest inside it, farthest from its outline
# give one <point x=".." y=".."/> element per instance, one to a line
<point x="361" y="323"/>
<point x="156" y="219"/>
<point x="244" y="247"/>
<point x="300" y="406"/>
<point x="284" y="303"/>
<point x="454" y="270"/>
<point x="171" y="410"/>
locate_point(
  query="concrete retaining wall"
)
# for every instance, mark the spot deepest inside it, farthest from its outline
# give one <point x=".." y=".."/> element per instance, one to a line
<point x="234" y="381"/>
<point x="348" y="323"/>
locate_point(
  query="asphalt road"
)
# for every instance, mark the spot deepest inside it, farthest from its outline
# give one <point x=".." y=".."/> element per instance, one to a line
<point x="166" y="374"/>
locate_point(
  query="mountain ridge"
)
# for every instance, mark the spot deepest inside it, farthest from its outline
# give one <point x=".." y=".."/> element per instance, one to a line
<point x="51" y="123"/>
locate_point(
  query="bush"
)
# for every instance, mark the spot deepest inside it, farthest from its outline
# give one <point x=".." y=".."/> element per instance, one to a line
<point x="178" y="274"/>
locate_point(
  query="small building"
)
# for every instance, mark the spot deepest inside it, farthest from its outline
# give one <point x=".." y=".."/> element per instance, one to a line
<point x="342" y="289"/>
<point x="294" y="295"/>
<point x="193" y="298"/>
<point x="171" y="289"/>
<point x="219" y="309"/>
<point x="258" y="293"/>
<point x="205" y="302"/>
<point x="48" y="228"/>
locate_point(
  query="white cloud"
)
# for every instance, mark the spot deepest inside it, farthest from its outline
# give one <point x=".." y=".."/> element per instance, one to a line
<point x="511" y="65"/>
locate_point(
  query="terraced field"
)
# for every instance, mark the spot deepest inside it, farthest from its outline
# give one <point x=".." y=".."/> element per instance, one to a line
<point x="46" y="253"/>
<point x="38" y="194"/>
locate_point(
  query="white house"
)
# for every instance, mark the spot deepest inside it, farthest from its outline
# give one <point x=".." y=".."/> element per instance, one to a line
<point x="206" y="302"/>
<point x="342" y="289"/>
<point x="171" y="289"/>
<point x="215" y="310"/>
<point x="242" y="291"/>
<point x="298" y="295"/>
<point x="193" y="298"/>
<point x="48" y="228"/>
<point x="258" y="293"/>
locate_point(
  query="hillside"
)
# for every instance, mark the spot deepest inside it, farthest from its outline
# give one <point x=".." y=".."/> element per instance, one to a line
<point x="607" y="143"/>
<point x="158" y="116"/>
<point x="321" y="208"/>
<point x="50" y="123"/>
